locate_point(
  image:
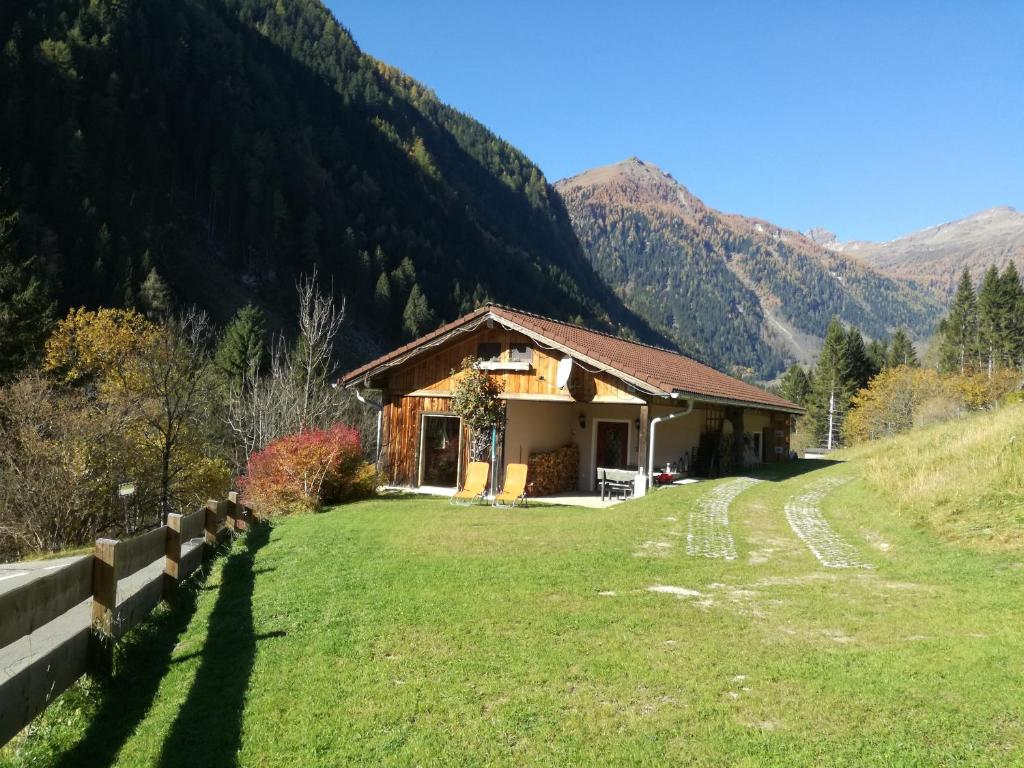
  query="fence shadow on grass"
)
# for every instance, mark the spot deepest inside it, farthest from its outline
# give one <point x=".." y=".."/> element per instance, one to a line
<point x="208" y="726"/>
<point x="142" y="660"/>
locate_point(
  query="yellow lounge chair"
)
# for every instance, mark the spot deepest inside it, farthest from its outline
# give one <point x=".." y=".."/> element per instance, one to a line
<point x="514" y="491"/>
<point x="475" y="487"/>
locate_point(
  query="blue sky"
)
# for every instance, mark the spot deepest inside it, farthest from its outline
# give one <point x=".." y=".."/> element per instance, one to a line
<point x="870" y="119"/>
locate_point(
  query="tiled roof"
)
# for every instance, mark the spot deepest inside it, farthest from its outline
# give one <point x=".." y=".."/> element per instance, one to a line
<point x="661" y="370"/>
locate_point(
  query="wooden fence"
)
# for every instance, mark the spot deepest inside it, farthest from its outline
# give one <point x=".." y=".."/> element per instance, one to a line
<point x="69" y="618"/>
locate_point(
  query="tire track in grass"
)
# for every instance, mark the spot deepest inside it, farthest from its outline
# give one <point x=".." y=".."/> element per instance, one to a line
<point x="803" y="512"/>
<point x="707" y="533"/>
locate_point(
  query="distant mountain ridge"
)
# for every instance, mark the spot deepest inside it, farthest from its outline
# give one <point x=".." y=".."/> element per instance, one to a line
<point x="935" y="257"/>
<point x="746" y="291"/>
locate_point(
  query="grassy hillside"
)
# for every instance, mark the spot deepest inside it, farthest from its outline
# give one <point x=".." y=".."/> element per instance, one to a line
<point x="404" y="631"/>
<point x="964" y="479"/>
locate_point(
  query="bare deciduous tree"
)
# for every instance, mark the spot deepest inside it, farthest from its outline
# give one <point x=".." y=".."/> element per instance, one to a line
<point x="296" y="393"/>
<point x="172" y="392"/>
<point x="312" y="362"/>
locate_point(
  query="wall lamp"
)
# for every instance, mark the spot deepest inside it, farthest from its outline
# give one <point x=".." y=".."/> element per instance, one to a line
<point x="637" y="424"/>
<point x="583" y="421"/>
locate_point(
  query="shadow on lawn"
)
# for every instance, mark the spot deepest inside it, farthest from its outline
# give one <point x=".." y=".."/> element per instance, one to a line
<point x="140" y="664"/>
<point x="208" y="726"/>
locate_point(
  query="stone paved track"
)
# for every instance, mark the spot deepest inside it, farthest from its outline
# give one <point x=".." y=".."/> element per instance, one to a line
<point x="803" y="512"/>
<point x="708" y="532"/>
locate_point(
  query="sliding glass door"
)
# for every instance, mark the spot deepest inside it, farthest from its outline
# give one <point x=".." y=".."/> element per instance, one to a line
<point x="440" y="444"/>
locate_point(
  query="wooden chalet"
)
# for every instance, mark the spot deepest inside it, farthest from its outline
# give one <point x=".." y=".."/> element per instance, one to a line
<point x="617" y="395"/>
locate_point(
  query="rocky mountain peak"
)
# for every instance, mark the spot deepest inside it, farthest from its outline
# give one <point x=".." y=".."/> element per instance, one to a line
<point x="822" y="236"/>
<point x="636" y="180"/>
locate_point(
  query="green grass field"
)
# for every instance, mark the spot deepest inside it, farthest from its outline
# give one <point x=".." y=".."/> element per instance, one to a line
<point x="405" y="631"/>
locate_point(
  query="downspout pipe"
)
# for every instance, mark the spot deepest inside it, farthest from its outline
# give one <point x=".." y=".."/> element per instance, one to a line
<point x="380" y="410"/>
<point x="650" y="448"/>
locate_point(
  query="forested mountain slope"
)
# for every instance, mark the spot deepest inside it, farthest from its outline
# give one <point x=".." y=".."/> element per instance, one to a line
<point x="746" y="291"/>
<point x="232" y="144"/>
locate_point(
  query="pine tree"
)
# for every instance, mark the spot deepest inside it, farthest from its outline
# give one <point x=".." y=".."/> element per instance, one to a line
<point x="155" y="296"/>
<point x="860" y="363"/>
<point x="417" y="316"/>
<point x="878" y="355"/>
<point x="990" y="319"/>
<point x="382" y="302"/>
<point x="832" y="384"/>
<point x="26" y="312"/>
<point x="902" y="351"/>
<point x="1018" y="346"/>
<point x="242" y="349"/>
<point x="795" y="385"/>
<point x="1011" y="326"/>
<point x="959" y="346"/>
<point x="403" y="277"/>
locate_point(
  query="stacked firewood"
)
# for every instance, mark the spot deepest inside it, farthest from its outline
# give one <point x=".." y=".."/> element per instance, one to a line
<point x="554" y="471"/>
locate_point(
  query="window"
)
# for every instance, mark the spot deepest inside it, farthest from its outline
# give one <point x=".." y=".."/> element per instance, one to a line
<point x="713" y="418"/>
<point x="489" y="351"/>
<point x="520" y="353"/>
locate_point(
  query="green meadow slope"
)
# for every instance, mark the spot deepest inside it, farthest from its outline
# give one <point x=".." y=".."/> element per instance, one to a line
<point x="964" y="479"/>
<point x="404" y="631"/>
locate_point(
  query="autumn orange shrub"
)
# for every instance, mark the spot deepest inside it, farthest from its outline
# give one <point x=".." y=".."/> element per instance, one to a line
<point x="302" y="472"/>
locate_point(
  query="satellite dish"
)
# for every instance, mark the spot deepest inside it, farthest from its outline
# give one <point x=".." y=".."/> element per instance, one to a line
<point x="564" y="370"/>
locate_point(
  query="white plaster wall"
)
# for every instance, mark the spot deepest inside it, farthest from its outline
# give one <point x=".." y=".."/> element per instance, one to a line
<point x="543" y="426"/>
<point x="754" y="422"/>
<point x="534" y="427"/>
<point x="585" y="437"/>
<point x="674" y="438"/>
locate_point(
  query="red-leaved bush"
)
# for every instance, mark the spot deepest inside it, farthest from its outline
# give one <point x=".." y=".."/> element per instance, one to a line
<point x="305" y="471"/>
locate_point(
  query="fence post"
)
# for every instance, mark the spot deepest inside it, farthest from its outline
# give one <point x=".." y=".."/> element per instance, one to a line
<point x="172" y="555"/>
<point x="230" y="512"/>
<point x="210" y="526"/>
<point x="237" y="512"/>
<point x="105" y="575"/>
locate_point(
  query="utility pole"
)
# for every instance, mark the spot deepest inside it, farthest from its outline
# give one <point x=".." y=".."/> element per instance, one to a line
<point x="831" y="414"/>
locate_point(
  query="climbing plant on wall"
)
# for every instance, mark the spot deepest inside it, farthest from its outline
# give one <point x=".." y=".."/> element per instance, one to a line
<point x="476" y="398"/>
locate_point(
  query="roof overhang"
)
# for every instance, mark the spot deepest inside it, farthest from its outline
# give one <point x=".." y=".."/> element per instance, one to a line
<point x="700" y="398"/>
<point x="361" y="377"/>
<point x="646" y="387"/>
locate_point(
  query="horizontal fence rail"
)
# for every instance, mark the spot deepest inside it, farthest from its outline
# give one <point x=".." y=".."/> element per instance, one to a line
<point x="64" y="623"/>
<point x="30" y="606"/>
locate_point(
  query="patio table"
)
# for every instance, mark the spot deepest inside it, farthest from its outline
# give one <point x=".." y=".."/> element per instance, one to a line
<point x="611" y="480"/>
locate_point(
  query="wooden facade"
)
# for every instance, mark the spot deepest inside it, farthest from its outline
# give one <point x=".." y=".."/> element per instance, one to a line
<point x="402" y="422"/>
<point x="422" y="386"/>
<point x="432" y="374"/>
